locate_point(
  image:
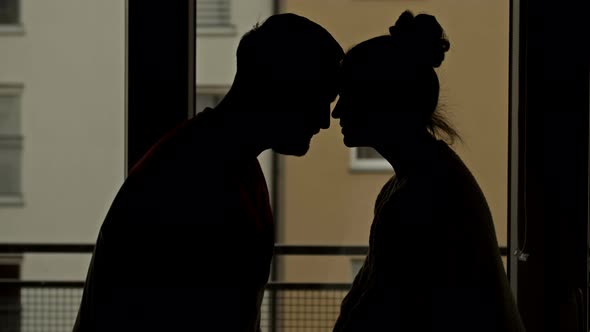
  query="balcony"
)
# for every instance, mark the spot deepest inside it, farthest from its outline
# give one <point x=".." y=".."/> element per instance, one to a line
<point x="31" y="306"/>
<point x="35" y="305"/>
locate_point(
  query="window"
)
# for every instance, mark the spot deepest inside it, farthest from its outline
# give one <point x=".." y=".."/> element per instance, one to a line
<point x="10" y="17"/>
<point x="214" y="16"/>
<point x="368" y="159"/>
<point x="10" y="145"/>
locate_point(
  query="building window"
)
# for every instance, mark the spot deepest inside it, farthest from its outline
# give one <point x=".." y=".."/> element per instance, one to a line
<point x="368" y="159"/>
<point x="11" y="145"/>
<point x="10" y="16"/>
<point x="214" y="16"/>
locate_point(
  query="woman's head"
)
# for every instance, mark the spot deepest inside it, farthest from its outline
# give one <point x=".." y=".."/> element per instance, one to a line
<point x="388" y="87"/>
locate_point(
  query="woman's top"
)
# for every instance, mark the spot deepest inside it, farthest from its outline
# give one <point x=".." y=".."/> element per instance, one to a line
<point x="433" y="262"/>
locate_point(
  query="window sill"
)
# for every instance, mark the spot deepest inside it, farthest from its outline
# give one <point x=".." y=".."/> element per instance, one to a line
<point x="11" y="259"/>
<point x="368" y="165"/>
<point x="12" y="30"/>
<point x="12" y="201"/>
<point x="224" y="31"/>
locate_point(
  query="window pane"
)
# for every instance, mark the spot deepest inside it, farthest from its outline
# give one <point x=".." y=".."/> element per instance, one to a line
<point x="9" y="114"/>
<point x="213" y="13"/>
<point x="10" y="170"/>
<point x="9" y="11"/>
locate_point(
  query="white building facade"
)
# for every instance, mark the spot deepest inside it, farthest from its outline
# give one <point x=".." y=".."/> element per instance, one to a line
<point x="62" y="122"/>
<point x="62" y="142"/>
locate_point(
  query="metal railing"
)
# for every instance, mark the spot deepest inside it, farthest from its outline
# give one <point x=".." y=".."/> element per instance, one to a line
<point x="51" y="306"/>
<point x="302" y="306"/>
<point x="213" y="13"/>
<point x="41" y="306"/>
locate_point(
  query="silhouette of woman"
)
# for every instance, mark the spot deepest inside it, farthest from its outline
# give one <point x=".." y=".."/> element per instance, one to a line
<point x="433" y="262"/>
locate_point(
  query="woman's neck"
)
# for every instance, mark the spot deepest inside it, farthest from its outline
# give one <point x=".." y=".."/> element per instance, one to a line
<point x="408" y="154"/>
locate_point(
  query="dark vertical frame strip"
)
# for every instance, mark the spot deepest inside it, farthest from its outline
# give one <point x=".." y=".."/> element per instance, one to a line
<point x="126" y="96"/>
<point x="192" y="58"/>
<point x="587" y="301"/>
<point x="553" y="218"/>
<point x="276" y="199"/>
<point x="513" y="103"/>
<point x="160" y="67"/>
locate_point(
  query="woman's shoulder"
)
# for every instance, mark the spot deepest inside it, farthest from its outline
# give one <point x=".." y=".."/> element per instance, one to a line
<point x="455" y="186"/>
<point x="446" y="169"/>
<point x="443" y="180"/>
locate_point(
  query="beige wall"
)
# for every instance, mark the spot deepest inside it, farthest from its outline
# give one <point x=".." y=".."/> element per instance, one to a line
<point x="323" y="202"/>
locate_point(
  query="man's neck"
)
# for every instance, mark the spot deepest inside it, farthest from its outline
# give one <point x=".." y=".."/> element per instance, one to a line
<point x="245" y="133"/>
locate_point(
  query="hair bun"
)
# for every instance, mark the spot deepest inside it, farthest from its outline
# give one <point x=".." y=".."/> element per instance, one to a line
<point x="422" y="36"/>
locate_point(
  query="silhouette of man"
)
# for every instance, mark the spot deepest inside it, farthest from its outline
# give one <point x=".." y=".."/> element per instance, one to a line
<point x="188" y="240"/>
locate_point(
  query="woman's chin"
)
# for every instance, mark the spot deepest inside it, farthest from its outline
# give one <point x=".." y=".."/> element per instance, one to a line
<point x="350" y="142"/>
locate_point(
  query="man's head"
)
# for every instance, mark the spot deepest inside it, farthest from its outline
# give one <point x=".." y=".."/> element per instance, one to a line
<point x="287" y="70"/>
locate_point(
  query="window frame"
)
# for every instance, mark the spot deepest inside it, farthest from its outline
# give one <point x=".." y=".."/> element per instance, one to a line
<point x="13" y="262"/>
<point x="148" y="119"/>
<point x="14" y="141"/>
<point x="376" y="165"/>
<point x="551" y="125"/>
